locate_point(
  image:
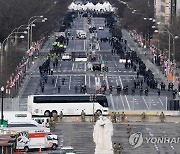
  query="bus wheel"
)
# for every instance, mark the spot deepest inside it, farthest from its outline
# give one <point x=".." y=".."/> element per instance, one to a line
<point x="53" y="113"/>
<point x="47" y="113"/>
<point x="26" y="149"/>
<point x="54" y="147"/>
<point x="99" y="112"/>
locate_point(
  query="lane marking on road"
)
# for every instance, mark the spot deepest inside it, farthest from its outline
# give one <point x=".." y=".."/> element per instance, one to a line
<point x="72" y="66"/>
<point x="112" y="102"/>
<point x="127" y="102"/>
<point x="161" y="102"/>
<point x="85" y="77"/>
<point x="59" y="69"/>
<point x="85" y="67"/>
<point x="56" y="81"/>
<point x="69" y="82"/>
<point x="107" y="84"/>
<point x="84" y="45"/>
<point x="121" y="82"/>
<point x="122" y="101"/>
<point x="117" y="82"/>
<point x="145" y="102"/>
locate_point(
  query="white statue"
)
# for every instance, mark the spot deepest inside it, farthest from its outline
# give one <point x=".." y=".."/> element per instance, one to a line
<point x="103" y="131"/>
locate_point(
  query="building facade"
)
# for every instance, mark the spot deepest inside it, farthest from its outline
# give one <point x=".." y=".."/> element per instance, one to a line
<point x="166" y="10"/>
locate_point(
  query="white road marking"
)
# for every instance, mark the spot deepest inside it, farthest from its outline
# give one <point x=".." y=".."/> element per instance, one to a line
<point x="127" y="102"/>
<point x="85" y="79"/>
<point x="145" y="102"/>
<point x="121" y="82"/>
<point x="122" y="101"/>
<point x="107" y="84"/>
<point x="72" y="66"/>
<point x="85" y="67"/>
<point x="84" y="46"/>
<point x="56" y="81"/>
<point x="69" y="82"/>
<point x="112" y="101"/>
<point x="161" y="102"/>
<point x="59" y="67"/>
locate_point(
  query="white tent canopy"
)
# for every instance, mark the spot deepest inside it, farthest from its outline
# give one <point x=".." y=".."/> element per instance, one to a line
<point x="106" y="6"/>
<point x="72" y="6"/>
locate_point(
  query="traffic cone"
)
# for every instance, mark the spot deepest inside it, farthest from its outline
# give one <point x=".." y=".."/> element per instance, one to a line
<point x="40" y="150"/>
<point x="77" y="120"/>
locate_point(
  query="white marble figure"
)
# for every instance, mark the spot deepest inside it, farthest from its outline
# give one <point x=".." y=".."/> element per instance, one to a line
<point x="103" y="131"/>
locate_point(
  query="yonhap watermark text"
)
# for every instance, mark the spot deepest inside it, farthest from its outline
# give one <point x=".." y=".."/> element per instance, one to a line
<point x="137" y="139"/>
<point x="162" y="140"/>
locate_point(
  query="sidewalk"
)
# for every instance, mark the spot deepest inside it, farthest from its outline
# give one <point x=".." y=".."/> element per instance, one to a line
<point x="34" y="65"/>
<point x="146" y="58"/>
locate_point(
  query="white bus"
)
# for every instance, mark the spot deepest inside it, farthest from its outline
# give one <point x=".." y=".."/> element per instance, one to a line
<point x="17" y="115"/>
<point x="47" y="105"/>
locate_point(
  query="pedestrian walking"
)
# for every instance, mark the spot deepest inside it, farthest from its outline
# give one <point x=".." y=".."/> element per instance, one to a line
<point x="42" y="88"/>
<point x="83" y="116"/>
<point x="59" y="88"/>
<point x="115" y="148"/>
<point x="53" y="80"/>
<point x="162" y="117"/>
<point x="143" y="116"/>
<point x="120" y="148"/>
<point x="61" y="116"/>
<point x="174" y="94"/>
<point x="141" y="91"/>
<point x="110" y="89"/>
<point x="51" y="71"/>
<point x="95" y="116"/>
<point x="129" y="129"/>
<point x="123" y="116"/>
<point x="118" y="117"/>
<point x="47" y="123"/>
<point x="55" y="117"/>
<point x="118" y="89"/>
<point x="63" y="80"/>
<point x="133" y="91"/>
<point x="159" y="92"/>
<point x="137" y="74"/>
<point x="52" y="125"/>
<point x="114" y="117"/>
<point x="146" y="91"/>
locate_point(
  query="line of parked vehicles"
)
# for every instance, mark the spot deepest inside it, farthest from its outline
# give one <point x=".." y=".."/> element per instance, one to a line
<point x="31" y="133"/>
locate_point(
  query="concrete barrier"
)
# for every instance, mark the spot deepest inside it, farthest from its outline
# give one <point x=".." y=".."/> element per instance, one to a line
<point x="147" y="112"/>
<point x="129" y="118"/>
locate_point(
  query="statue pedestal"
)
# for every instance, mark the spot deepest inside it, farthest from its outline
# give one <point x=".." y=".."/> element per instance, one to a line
<point x="103" y="152"/>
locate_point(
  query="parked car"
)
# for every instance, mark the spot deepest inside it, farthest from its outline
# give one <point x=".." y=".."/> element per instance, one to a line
<point x="66" y="56"/>
<point x="68" y="149"/>
<point x="101" y="28"/>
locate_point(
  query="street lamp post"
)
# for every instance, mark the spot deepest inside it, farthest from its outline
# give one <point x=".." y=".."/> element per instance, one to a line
<point x="32" y="25"/>
<point x="2" y="117"/>
<point x="9" y="36"/>
<point x="173" y="37"/>
<point x="29" y="24"/>
<point x="148" y="19"/>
